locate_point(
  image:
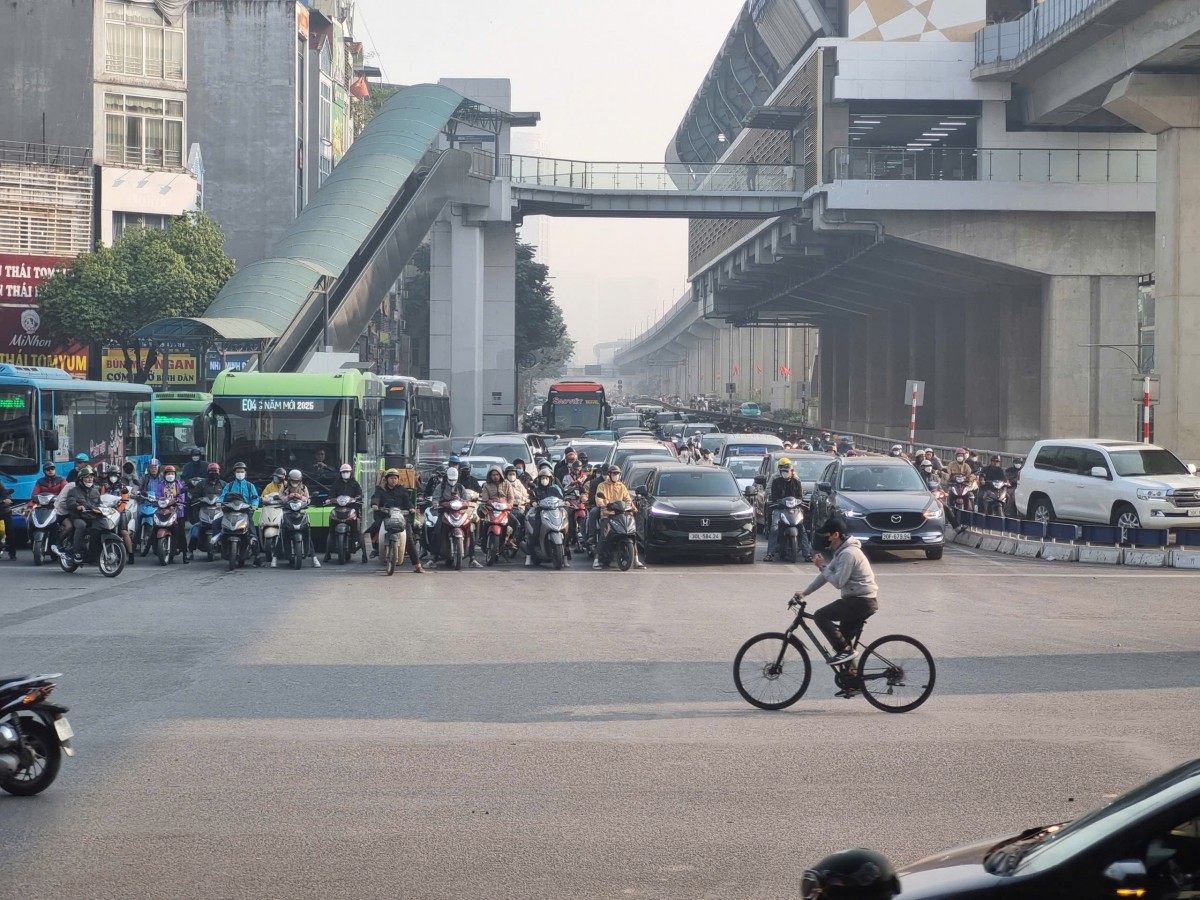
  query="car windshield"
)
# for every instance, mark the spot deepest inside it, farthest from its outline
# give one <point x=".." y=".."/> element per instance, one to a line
<point x="809" y="469"/>
<point x="1146" y="462"/>
<point x="880" y="478"/>
<point x="507" y="450"/>
<point x="1101" y="824"/>
<point x="759" y="450"/>
<point x="621" y="456"/>
<point x="703" y="482"/>
<point x="744" y="466"/>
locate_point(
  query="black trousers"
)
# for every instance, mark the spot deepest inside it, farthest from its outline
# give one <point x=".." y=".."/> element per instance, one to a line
<point x="850" y="612"/>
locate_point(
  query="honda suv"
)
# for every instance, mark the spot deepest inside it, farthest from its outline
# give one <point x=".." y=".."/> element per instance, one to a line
<point x="1108" y="483"/>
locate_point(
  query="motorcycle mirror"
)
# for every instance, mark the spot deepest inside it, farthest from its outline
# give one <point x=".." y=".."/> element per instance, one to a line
<point x="760" y="479"/>
<point x="824" y="486"/>
<point x="360" y="435"/>
<point x="200" y="429"/>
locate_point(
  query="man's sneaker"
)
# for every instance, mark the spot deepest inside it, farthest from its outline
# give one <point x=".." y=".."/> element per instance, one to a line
<point x="770" y="557"/>
<point x="475" y="564"/>
<point x="316" y="563"/>
<point x="528" y="560"/>
<point x="848" y="693"/>
<point x="844" y="657"/>
<point x="274" y="562"/>
<point x="638" y="564"/>
<point x="596" y="563"/>
<point x="375" y="553"/>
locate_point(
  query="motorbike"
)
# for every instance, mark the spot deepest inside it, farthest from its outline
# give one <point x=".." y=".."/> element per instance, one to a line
<point x="428" y="526"/>
<point x="206" y="533"/>
<point x="237" y="530"/>
<point x="791" y="520"/>
<point x="394" y="537"/>
<point x="43" y="526"/>
<point x="960" y="493"/>
<point x="270" y="526"/>
<point x="34" y="735"/>
<point x="620" y="537"/>
<point x="294" y="531"/>
<point x="102" y="546"/>
<point x="993" y="498"/>
<point x="344" y="529"/>
<point x="499" y="530"/>
<point x="578" y="519"/>
<point x="552" y="535"/>
<point x="164" y="525"/>
<point x="144" y="542"/>
<point x="459" y="538"/>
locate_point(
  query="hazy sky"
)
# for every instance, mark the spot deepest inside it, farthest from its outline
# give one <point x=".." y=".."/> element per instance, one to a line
<point x="612" y="79"/>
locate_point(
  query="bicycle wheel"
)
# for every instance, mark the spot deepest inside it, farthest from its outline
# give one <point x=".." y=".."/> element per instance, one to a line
<point x="897" y="673"/>
<point x="772" y="670"/>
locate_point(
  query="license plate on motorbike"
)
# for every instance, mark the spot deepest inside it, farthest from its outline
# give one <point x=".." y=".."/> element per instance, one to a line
<point x="704" y="536"/>
<point x="63" y="727"/>
<point x="897" y="536"/>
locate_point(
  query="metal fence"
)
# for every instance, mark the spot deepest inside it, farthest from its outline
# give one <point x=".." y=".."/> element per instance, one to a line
<point x="1006" y="164"/>
<point x="53" y="155"/>
<point x="650" y="176"/>
<point x="1008" y="40"/>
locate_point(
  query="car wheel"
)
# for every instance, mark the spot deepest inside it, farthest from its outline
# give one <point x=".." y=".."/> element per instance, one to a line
<point x="1125" y="516"/>
<point x="1040" y="509"/>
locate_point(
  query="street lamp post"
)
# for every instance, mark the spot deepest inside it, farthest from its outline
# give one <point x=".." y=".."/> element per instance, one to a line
<point x="1145" y="384"/>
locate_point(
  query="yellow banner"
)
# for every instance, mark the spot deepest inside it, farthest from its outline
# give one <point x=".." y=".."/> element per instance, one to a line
<point x="183" y="367"/>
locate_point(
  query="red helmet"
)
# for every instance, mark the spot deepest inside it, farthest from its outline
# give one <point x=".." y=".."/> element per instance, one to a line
<point x="214" y="469"/>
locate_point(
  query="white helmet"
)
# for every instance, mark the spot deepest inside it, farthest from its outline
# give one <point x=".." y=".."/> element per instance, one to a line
<point x="295" y="475"/>
<point x="452" y="476"/>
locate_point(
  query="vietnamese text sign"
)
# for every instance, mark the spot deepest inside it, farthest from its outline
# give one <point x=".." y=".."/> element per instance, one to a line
<point x="182" y="367"/>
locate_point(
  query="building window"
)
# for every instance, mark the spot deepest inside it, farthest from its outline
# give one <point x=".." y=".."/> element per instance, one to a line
<point x="299" y="176"/>
<point x="122" y="221"/>
<point x="143" y="131"/>
<point x="138" y="41"/>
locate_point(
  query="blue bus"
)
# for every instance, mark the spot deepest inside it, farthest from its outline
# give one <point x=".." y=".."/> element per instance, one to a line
<point x="45" y="414"/>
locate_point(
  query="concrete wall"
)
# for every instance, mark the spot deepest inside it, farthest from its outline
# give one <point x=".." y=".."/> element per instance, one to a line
<point x="46" y="69"/>
<point x="911" y="71"/>
<point x="242" y="111"/>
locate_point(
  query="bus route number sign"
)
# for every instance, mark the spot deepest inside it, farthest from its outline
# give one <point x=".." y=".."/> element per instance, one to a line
<point x="277" y="404"/>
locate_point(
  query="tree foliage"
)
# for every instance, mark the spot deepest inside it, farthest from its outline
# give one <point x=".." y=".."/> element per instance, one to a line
<point x="364" y="110"/>
<point x="105" y="296"/>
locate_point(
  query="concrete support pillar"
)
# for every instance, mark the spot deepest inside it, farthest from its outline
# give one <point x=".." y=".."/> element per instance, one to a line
<point x="899" y="369"/>
<point x="1169" y="107"/>
<point x="497" y="352"/>
<point x="922" y="362"/>
<point x="1022" y="372"/>
<point x="880" y="397"/>
<point x="949" y="387"/>
<point x="456" y="280"/>
<point x="981" y="398"/>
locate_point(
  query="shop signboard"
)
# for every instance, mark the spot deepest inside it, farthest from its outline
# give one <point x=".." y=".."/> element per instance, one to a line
<point x="23" y="338"/>
<point x="182" y="367"/>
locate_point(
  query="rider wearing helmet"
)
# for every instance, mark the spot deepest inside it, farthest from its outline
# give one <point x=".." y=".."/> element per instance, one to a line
<point x="212" y="488"/>
<point x="449" y="487"/>
<point x="392" y="495"/>
<point x="564" y="465"/>
<point x="111" y="484"/>
<point x="961" y="465"/>
<point x="174" y="489"/>
<point x="845" y="446"/>
<point x="275" y="485"/>
<point x="612" y="490"/>
<point x="784" y="484"/>
<point x="82" y="496"/>
<point x="81" y="460"/>
<point x="856" y="874"/>
<point x="242" y="486"/>
<point x="197" y="467"/>
<point x="543" y="486"/>
<point x="897" y="451"/>
<point x="345" y="485"/>
<point x="295" y="489"/>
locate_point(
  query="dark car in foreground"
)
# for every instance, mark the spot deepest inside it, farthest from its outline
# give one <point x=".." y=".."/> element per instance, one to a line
<point x="884" y="501"/>
<point x="694" y="510"/>
<point x="1145" y="844"/>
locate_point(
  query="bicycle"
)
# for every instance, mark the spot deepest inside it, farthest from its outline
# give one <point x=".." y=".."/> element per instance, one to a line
<point x="894" y="673"/>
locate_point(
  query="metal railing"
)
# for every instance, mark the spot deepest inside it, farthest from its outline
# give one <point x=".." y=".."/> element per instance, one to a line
<point x="1006" y="164"/>
<point x="651" y="176"/>
<point x="54" y="155"/>
<point x="1006" y="41"/>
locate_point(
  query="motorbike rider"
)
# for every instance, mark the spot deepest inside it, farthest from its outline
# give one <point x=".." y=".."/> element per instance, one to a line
<point x="197" y="467"/>
<point x="448" y="488"/>
<point x="993" y="471"/>
<point x="961" y="466"/>
<point x="81" y="460"/>
<point x="611" y="490"/>
<point x="82" y="496"/>
<point x="466" y="479"/>
<point x="152" y="482"/>
<point x="522" y="476"/>
<point x="574" y="478"/>
<point x="173" y="488"/>
<point x="897" y="451"/>
<point x="498" y="486"/>
<point x="1012" y="475"/>
<point x="245" y="489"/>
<point x="520" y="500"/>
<point x="543" y="486"/>
<point x="845" y="446"/>
<point x="275" y="485"/>
<point x="50" y="483"/>
<point x="785" y="484"/>
<point x="390" y="495"/>
<point x="346" y="485"/>
<point x="111" y="483"/>
<point x="928" y="454"/>
<point x="295" y="489"/>
<point x="825" y="444"/>
<point x="6" y="507"/>
<point x="213" y="486"/>
<point x="847" y="569"/>
<point x="564" y="465"/>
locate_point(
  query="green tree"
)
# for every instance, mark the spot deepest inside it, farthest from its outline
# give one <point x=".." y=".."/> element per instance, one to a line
<point x="105" y="296"/>
<point x="366" y="109"/>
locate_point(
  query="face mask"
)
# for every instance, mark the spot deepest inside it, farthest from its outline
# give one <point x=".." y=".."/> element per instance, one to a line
<point x="195" y="459"/>
<point x="960" y="458"/>
<point x="113" y="479"/>
<point x="1019" y="465"/>
<point x="240" y="476"/>
<point x="277" y="479"/>
<point x="615" y="477"/>
<point x="170" y="478"/>
<point x="511" y="476"/>
<point x="346" y="476"/>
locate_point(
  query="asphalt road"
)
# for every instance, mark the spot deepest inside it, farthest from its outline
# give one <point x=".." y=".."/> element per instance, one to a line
<point x="490" y="734"/>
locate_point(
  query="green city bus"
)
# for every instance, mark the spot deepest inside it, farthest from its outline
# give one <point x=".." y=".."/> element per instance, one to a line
<point x="310" y="422"/>
<point x="170" y="425"/>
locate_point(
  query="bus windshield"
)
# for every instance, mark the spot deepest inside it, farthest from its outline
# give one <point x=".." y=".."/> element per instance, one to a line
<point x="575" y="407"/>
<point x="18" y="444"/>
<point x="267" y="432"/>
<point x="395" y="427"/>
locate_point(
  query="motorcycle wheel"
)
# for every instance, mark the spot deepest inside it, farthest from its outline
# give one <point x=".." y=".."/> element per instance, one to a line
<point x="789" y="548"/>
<point x="624" y="556"/>
<point x="66" y="561"/>
<point x="231" y="551"/>
<point x="39" y="553"/>
<point x="493" y="551"/>
<point x="145" y="542"/>
<point x="163" y="549"/>
<point x="112" y="558"/>
<point x="343" y="549"/>
<point x="557" y="555"/>
<point x="456" y="554"/>
<point x="390" y="555"/>
<point x="297" y="552"/>
<point x="47" y="758"/>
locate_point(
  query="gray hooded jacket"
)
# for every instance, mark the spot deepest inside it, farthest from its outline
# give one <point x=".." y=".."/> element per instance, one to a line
<point x="849" y="571"/>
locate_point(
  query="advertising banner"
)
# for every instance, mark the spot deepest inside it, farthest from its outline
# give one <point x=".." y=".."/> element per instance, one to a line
<point x="182" y="368"/>
<point x="22" y="338"/>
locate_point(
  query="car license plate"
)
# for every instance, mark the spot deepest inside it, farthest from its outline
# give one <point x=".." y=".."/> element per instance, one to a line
<point x="704" y="536"/>
<point x="897" y="536"/>
<point x="63" y="727"/>
<point x="1194" y="512"/>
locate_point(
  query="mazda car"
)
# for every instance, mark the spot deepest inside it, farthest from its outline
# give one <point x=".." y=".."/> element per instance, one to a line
<point x="884" y="501"/>
<point x="694" y="510"/>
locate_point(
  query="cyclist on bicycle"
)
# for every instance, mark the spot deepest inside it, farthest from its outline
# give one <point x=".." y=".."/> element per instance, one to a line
<point x="848" y="570"/>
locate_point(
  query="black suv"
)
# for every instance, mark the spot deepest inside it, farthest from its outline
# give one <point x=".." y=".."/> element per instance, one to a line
<point x="695" y="509"/>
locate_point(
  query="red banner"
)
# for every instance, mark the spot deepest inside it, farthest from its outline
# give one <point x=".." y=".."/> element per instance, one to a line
<point x="22" y="341"/>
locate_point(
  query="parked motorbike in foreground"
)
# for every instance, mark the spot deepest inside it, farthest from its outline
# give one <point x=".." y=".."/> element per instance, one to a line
<point x="102" y="545"/>
<point x="34" y="735"/>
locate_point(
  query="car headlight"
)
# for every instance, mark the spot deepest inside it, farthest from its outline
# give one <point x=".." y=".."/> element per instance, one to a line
<point x="1154" y="493"/>
<point x="742" y="514"/>
<point x="853" y="514"/>
<point x="659" y="510"/>
<point x="934" y="512"/>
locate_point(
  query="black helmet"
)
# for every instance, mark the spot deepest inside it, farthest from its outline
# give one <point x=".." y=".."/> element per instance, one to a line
<point x="856" y="874"/>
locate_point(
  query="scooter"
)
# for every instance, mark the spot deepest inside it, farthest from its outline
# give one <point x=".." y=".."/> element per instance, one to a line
<point x="993" y="498"/>
<point x="394" y="538"/>
<point x="498" y="530"/>
<point x="270" y="526"/>
<point x="620" y="535"/>
<point x="34" y="735"/>
<point x="145" y="529"/>
<point x="791" y="520"/>
<point x="459" y="538"/>
<point x="960" y="493"/>
<point x="344" y="530"/>
<point x="102" y="545"/>
<point x="206" y="533"/>
<point x="42" y="520"/>
<point x="237" y="530"/>
<point x="164" y="524"/>
<point x="578" y="519"/>
<point x="294" y="532"/>
<point x="552" y="533"/>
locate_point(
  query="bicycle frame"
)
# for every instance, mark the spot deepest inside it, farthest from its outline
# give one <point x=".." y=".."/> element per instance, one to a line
<point x="801" y="615"/>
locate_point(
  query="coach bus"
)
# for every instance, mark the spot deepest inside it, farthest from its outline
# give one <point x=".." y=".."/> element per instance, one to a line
<point x="573" y="407"/>
<point x="413" y="409"/>
<point x="46" y="414"/>
<point x="311" y="422"/>
<point x="171" y="424"/>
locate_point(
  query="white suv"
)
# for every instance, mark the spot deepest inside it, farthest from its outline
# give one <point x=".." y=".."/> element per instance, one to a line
<point x="1108" y="483"/>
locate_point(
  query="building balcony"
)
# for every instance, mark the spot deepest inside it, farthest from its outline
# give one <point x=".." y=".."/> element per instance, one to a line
<point x="1042" y="25"/>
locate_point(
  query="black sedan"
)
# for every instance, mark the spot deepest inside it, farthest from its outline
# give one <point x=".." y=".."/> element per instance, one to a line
<point x="884" y="501"/>
<point x="1145" y="843"/>
<point x="686" y="509"/>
